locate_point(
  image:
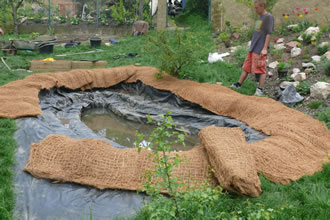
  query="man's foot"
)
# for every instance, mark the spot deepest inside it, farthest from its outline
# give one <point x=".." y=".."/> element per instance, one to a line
<point x="259" y="92"/>
<point x="236" y="85"/>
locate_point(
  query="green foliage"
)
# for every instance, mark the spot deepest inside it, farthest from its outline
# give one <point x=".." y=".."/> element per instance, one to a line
<point x="196" y="7"/>
<point x="7" y="149"/>
<point x="62" y="19"/>
<point x="175" y="50"/>
<point x="277" y="54"/>
<point x="161" y="179"/>
<point x="307" y="38"/>
<point x="324" y="116"/>
<point x="322" y="49"/>
<point x="316" y="104"/>
<point x="104" y="19"/>
<point x="326" y="66"/>
<point x="283" y="66"/>
<point x="304" y="88"/>
<point x="122" y="15"/>
<point x="75" y="20"/>
<point x="240" y="55"/>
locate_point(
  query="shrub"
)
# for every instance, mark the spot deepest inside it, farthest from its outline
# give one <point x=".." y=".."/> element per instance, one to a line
<point x="316" y="104"/>
<point x="325" y="66"/>
<point x="122" y="15"/>
<point x="304" y="88"/>
<point x="324" y="116"/>
<point x="175" y="50"/>
<point x="322" y="50"/>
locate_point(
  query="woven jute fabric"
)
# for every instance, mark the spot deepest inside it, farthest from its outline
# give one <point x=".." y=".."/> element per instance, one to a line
<point x="298" y="145"/>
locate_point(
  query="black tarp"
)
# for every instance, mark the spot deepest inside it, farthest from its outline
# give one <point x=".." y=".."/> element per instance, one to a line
<point x="61" y="114"/>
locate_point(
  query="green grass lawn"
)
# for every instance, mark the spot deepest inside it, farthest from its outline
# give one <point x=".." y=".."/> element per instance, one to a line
<point x="308" y="198"/>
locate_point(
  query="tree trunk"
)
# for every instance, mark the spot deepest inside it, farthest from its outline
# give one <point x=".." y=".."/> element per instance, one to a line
<point x="14" y="13"/>
<point x="141" y="10"/>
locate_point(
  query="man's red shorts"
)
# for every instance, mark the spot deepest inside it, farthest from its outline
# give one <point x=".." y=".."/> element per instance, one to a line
<point x="254" y="63"/>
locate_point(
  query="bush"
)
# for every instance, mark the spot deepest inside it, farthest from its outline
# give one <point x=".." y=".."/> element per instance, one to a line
<point x="304" y="88"/>
<point x="240" y="54"/>
<point x="121" y="14"/>
<point x="326" y="66"/>
<point x="175" y="50"/>
<point x="199" y="7"/>
<point x="324" y="116"/>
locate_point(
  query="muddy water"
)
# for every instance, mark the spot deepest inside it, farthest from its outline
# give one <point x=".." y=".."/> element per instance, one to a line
<point x="123" y="131"/>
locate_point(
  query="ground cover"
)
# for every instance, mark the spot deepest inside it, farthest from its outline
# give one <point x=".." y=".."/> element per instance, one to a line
<point x="307" y="198"/>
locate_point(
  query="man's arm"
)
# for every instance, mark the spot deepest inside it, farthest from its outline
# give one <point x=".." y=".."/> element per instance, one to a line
<point x="264" y="50"/>
<point x="1" y="32"/>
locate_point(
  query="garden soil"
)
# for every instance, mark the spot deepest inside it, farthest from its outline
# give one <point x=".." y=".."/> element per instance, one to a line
<point x="298" y="145"/>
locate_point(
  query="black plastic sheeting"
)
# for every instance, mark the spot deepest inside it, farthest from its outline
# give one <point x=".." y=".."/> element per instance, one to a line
<point x="61" y="113"/>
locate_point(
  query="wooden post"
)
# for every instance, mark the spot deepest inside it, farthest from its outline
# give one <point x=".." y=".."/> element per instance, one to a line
<point x="161" y="14"/>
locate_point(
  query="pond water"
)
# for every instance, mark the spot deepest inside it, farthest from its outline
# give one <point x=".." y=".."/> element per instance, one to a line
<point x="122" y="131"/>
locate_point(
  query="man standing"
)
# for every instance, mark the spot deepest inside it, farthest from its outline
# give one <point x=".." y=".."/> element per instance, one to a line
<point x="1" y="32"/>
<point x="255" y="61"/>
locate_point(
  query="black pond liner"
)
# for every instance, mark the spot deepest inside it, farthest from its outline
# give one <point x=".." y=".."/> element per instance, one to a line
<point x="61" y="114"/>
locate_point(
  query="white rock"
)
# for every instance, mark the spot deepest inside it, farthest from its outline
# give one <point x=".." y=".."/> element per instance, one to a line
<point x="280" y="40"/>
<point x="323" y="44"/>
<point x="270" y="74"/>
<point x="279" y="46"/>
<point x="310" y="31"/>
<point x="307" y="65"/>
<point x="232" y="49"/>
<point x="298" y="76"/>
<point x="273" y="65"/>
<point x="300" y="38"/>
<point x="284" y="84"/>
<point x="316" y="58"/>
<point x="249" y="43"/>
<point x="320" y="90"/>
<point x="296" y="51"/>
<point x="296" y="70"/>
<point x="327" y="55"/>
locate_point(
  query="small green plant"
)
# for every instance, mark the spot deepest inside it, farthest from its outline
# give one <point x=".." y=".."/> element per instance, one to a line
<point x="277" y="54"/>
<point x="104" y="20"/>
<point x="326" y="67"/>
<point x="304" y="88"/>
<point x="283" y="66"/>
<point x="307" y="38"/>
<point x="322" y="49"/>
<point x="161" y="178"/>
<point x="315" y="105"/>
<point x="37" y="18"/>
<point x="324" y="116"/>
<point x="62" y="19"/>
<point x="90" y="21"/>
<point x="176" y="50"/>
<point x="225" y="38"/>
<point x="75" y="21"/>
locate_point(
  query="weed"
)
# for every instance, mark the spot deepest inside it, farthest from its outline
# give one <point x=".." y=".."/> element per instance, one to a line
<point x="316" y="104"/>
<point x="324" y="116"/>
<point x="304" y="88"/>
<point x="240" y="55"/>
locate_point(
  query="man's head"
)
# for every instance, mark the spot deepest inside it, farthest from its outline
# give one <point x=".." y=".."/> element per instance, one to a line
<point x="260" y="6"/>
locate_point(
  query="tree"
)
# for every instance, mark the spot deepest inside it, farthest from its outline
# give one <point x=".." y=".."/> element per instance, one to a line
<point x="14" y="5"/>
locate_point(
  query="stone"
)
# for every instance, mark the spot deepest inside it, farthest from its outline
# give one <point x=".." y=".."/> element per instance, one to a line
<point x="284" y="84"/>
<point x="299" y="76"/>
<point x="273" y="65"/>
<point x="292" y="44"/>
<point x="290" y="96"/>
<point x="236" y="35"/>
<point x="279" y="46"/>
<point x="320" y="90"/>
<point x="219" y="83"/>
<point x="327" y="55"/>
<point x="140" y="27"/>
<point x="270" y="73"/>
<point x="296" y="51"/>
<point x="307" y="65"/>
<point x="280" y="40"/>
<point x="296" y="70"/>
<point x="310" y="31"/>
<point x="316" y="58"/>
<point x="308" y="71"/>
<point x="323" y="44"/>
<point x="232" y="49"/>
<point x="249" y="43"/>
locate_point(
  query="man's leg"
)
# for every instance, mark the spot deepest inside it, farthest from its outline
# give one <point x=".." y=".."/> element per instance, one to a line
<point x="262" y="80"/>
<point x="243" y="77"/>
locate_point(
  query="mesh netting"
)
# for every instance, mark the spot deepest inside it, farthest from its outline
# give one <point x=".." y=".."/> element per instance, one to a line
<point x="298" y="144"/>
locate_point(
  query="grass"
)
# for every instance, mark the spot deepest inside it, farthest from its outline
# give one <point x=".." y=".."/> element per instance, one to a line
<point x="307" y="198"/>
<point x="7" y="149"/>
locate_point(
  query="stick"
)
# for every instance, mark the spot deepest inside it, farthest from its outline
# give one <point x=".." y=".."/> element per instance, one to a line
<point x="71" y="54"/>
<point x="3" y="61"/>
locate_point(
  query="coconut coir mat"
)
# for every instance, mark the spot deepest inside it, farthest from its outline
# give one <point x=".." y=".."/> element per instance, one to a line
<point x="298" y="144"/>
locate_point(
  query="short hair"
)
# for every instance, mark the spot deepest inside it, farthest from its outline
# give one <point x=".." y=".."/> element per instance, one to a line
<point x="261" y="2"/>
